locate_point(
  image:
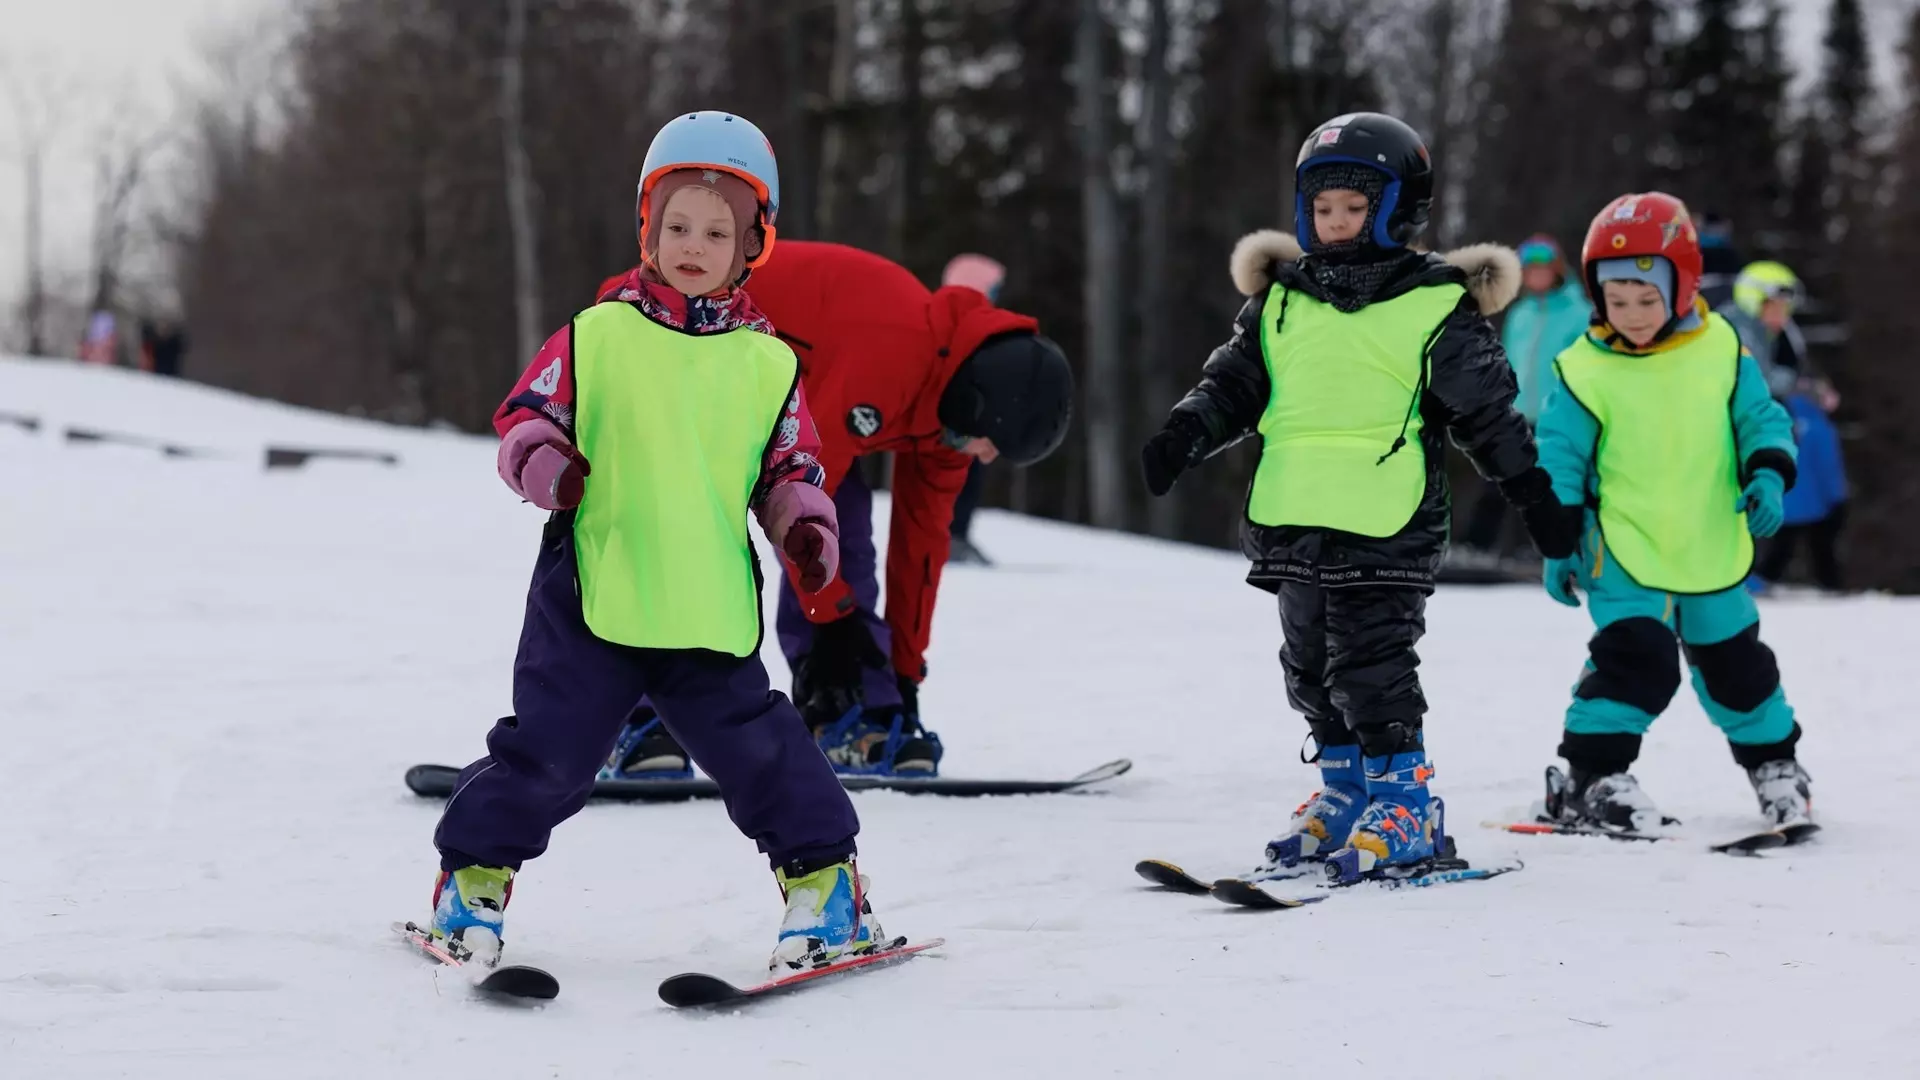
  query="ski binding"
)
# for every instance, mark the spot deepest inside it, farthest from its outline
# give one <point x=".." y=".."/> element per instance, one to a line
<point x="516" y="981"/>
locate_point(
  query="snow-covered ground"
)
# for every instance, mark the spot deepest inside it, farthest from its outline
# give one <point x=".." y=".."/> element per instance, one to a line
<point x="214" y="677"/>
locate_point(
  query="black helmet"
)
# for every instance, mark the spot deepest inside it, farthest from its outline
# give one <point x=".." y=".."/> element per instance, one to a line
<point x="1015" y="389"/>
<point x="1381" y="142"/>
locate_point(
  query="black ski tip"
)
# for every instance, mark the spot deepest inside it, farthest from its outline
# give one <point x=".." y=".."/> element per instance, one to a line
<point x="1168" y="876"/>
<point x="1116" y="768"/>
<point x="433" y="781"/>
<point x="697" y="988"/>
<point x="516" y="981"/>
<point x="1799" y="834"/>
<point x="1248" y="895"/>
<point x="1753" y="845"/>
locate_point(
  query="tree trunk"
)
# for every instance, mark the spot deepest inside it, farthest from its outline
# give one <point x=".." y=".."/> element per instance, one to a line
<point x="519" y="184"/>
<point x="833" y="141"/>
<point x="1156" y="255"/>
<point x="1100" y="210"/>
<point x="911" y="156"/>
<point x="36" y="301"/>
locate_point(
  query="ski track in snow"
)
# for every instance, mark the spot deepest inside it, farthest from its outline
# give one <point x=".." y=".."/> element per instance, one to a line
<point x="215" y="677"/>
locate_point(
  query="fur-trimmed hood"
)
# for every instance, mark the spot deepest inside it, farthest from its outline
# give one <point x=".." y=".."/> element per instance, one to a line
<point x="1492" y="270"/>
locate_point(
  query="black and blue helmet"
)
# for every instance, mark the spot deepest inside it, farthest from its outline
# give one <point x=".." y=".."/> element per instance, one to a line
<point x="1376" y="141"/>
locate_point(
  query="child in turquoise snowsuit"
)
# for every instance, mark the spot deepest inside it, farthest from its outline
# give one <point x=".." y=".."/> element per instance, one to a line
<point x="1660" y="428"/>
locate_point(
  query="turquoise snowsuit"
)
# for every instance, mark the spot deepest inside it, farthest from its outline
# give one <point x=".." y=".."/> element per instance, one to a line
<point x="1537" y="327"/>
<point x="1632" y="673"/>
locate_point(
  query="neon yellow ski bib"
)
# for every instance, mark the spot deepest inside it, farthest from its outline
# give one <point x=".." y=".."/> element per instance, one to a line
<point x="676" y="428"/>
<point x="1344" y="385"/>
<point x="1668" y="469"/>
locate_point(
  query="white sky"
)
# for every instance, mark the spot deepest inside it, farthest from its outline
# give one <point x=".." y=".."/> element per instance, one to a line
<point x="149" y="46"/>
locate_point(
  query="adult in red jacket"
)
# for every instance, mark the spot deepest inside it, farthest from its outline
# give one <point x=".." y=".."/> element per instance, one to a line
<point x="939" y="378"/>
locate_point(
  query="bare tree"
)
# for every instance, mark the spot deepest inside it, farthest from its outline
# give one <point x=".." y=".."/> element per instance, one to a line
<point x="1100" y="214"/>
<point x="840" y="92"/>
<point x="124" y="145"/>
<point x="1156" y="254"/>
<point x="519" y="181"/>
<point x="40" y="103"/>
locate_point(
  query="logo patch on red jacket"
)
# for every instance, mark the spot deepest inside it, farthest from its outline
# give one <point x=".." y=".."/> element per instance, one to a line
<point x="864" y="421"/>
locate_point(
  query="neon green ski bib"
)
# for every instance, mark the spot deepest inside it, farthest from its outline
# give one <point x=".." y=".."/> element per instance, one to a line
<point x="676" y="427"/>
<point x="1668" y="469"/>
<point x="1345" y="386"/>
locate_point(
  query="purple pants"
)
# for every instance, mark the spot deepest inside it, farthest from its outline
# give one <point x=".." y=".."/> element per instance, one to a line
<point x="859" y="567"/>
<point x="571" y="692"/>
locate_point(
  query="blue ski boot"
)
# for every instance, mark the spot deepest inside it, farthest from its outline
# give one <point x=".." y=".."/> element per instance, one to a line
<point x="881" y="743"/>
<point x="828" y="917"/>
<point x="1321" y="824"/>
<point x="1400" y="831"/>
<point x="470" y="911"/>
<point x="646" y="751"/>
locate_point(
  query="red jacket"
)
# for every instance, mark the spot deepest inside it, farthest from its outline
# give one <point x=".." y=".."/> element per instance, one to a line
<point x="876" y="349"/>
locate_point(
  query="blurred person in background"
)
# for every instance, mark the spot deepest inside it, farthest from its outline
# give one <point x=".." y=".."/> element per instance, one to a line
<point x="100" y="342"/>
<point x="1720" y="260"/>
<point x="1816" y="507"/>
<point x="1550" y="314"/>
<point x="972" y="271"/>
<point x="162" y="342"/>
<point x="1765" y="296"/>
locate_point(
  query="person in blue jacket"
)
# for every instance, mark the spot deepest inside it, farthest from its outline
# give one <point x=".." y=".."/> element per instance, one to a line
<point x="1660" y="434"/>
<point x="1816" y="508"/>
<point x="1551" y="314"/>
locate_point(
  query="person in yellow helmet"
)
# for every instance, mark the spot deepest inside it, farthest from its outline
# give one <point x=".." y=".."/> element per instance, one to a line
<point x="1765" y="296"/>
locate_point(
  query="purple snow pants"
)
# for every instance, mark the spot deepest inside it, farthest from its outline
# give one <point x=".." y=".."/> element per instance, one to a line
<point x="859" y="566"/>
<point x="572" y="691"/>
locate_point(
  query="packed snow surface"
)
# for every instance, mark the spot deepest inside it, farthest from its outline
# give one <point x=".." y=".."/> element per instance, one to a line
<point x="215" y="676"/>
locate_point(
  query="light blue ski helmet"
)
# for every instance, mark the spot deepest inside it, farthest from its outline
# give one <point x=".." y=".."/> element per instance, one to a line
<point x="714" y="140"/>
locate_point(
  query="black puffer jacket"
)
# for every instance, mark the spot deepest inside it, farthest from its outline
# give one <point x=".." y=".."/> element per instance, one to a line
<point x="1469" y="394"/>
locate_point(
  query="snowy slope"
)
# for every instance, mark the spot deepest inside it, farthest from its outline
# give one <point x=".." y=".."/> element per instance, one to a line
<point x="214" y="677"/>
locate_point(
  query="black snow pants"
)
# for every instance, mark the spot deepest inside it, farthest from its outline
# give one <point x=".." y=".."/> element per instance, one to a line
<point x="1350" y="665"/>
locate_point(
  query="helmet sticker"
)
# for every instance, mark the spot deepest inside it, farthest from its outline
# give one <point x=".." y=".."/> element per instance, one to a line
<point x="1619" y="240"/>
<point x="1644" y="262"/>
<point x="1328" y="136"/>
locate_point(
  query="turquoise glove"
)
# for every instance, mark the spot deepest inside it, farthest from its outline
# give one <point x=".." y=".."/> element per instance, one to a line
<point x="1761" y="503"/>
<point x="1562" y="576"/>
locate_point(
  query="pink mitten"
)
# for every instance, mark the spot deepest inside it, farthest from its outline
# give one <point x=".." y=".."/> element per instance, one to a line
<point x="541" y="466"/>
<point x="815" y="549"/>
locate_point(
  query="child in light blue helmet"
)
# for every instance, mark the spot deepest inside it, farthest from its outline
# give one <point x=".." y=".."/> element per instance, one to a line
<point x="651" y="427"/>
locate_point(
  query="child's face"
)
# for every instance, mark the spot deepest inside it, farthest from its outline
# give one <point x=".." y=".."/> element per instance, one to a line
<point x="697" y="241"/>
<point x="1338" y="215"/>
<point x="1775" y="313"/>
<point x="1537" y="278"/>
<point x="1635" y="308"/>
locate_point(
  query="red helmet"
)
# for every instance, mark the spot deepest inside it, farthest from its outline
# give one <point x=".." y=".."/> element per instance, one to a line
<point x="1653" y="225"/>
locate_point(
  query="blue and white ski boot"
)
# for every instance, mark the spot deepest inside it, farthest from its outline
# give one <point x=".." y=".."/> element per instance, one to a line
<point x="1322" y="824"/>
<point x="645" y="750"/>
<point x="470" y="912"/>
<point x="881" y="743"/>
<point x="828" y="917"/>
<point x="1402" y="831"/>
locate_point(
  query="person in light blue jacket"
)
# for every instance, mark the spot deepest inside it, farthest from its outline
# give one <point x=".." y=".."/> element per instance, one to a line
<point x="1816" y="508"/>
<point x="1551" y="314"/>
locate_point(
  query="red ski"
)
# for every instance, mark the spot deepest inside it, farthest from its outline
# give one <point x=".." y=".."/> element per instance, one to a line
<point x="695" y="989"/>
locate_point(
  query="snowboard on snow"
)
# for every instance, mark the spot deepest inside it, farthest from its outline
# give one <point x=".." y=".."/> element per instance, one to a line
<point x="698" y="989"/>
<point x="437" y="781"/>
<point x="504" y="981"/>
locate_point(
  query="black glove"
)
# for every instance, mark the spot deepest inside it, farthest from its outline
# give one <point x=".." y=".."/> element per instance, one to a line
<point x="1168" y="454"/>
<point x="1554" y="527"/>
<point x="827" y="679"/>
